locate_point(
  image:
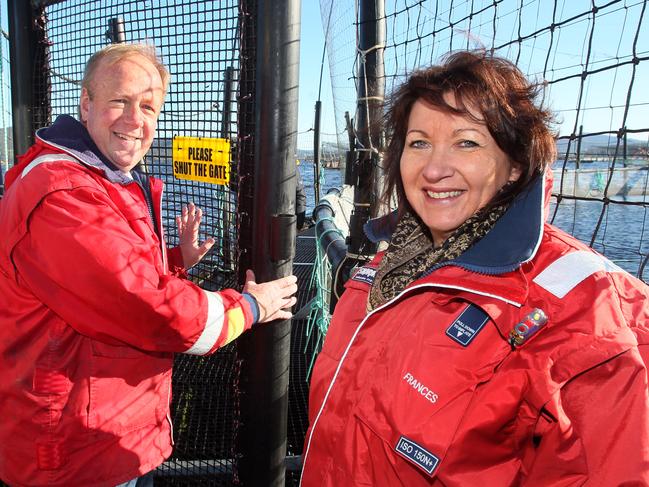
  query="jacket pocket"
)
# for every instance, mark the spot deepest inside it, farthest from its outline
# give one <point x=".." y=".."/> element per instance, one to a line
<point x="129" y="389"/>
<point x="100" y="349"/>
<point x="414" y="403"/>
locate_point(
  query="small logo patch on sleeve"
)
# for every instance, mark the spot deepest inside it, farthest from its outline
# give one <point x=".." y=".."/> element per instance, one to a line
<point x="417" y="455"/>
<point x="466" y="326"/>
<point x="364" y="274"/>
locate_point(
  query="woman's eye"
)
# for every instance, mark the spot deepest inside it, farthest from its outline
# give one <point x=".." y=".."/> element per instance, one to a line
<point x="418" y="144"/>
<point x="468" y="144"/>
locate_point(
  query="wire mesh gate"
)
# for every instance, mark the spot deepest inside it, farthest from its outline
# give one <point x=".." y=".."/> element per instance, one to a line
<point x="199" y="43"/>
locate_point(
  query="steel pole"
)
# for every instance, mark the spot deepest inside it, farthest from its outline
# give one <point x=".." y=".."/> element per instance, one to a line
<point x="371" y="88"/>
<point x="265" y="351"/>
<point x="22" y="53"/>
<point x="316" y="152"/>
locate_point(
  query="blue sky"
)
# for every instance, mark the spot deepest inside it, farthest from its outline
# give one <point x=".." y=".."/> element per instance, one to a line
<point x="614" y="34"/>
<point x="565" y="54"/>
<point x="311" y="45"/>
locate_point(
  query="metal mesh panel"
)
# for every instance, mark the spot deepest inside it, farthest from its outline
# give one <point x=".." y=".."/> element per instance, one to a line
<point x="199" y="43"/>
<point x="200" y="56"/>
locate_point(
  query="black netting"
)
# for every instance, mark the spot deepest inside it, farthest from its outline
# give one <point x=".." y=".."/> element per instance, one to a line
<point x="203" y="58"/>
<point x="592" y="56"/>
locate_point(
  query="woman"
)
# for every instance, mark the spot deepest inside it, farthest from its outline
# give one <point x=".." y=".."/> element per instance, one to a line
<point x="484" y="346"/>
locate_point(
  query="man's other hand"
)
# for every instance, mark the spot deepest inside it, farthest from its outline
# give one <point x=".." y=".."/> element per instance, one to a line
<point x="274" y="298"/>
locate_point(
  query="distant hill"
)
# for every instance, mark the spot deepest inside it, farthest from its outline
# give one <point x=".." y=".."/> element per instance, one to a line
<point x="603" y="145"/>
<point x="594" y="146"/>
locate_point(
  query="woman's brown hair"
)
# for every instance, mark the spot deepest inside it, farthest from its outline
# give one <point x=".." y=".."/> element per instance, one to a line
<point x="498" y="91"/>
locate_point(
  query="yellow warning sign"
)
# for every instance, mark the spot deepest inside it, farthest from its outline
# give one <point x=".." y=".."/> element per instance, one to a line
<point x="202" y="159"/>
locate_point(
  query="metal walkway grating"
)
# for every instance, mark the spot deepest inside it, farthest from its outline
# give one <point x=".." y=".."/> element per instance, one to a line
<point x="305" y="254"/>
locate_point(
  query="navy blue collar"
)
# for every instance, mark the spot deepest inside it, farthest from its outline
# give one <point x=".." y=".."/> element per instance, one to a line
<point x="72" y="137"/>
<point x="512" y="241"/>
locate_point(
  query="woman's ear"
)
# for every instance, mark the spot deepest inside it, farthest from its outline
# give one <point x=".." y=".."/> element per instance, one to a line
<point x="515" y="172"/>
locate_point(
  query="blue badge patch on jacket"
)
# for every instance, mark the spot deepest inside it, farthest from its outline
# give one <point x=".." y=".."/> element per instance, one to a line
<point x="417" y="455"/>
<point x="365" y="274"/>
<point x="466" y="326"/>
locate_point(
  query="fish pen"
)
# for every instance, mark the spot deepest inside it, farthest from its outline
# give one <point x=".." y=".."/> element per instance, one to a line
<point x="240" y="415"/>
<point x="218" y="146"/>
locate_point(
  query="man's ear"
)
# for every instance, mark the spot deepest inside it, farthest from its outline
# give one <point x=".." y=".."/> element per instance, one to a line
<point x="84" y="105"/>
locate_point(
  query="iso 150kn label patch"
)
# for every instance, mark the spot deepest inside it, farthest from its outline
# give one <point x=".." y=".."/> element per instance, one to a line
<point x="417" y="455"/>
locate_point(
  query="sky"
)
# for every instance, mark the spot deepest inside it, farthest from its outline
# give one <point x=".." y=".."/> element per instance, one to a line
<point x="556" y="56"/>
<point x="311" y="46"/>
<point x="569" y="50"/>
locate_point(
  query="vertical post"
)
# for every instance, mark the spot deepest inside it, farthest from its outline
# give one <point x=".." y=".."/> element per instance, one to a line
<point x="116" y="33"/>
<point x="625" y="154"/>
<point x="266" y="350"/>
<point x="4" y="163"/>
<point x="228" y="81"/>
<point x="227" y="240"/>
<point x="579" y="139"/>
<point x="371" y="88"/>
<point x="316" y="152"/>
<point x="23" y="47"/>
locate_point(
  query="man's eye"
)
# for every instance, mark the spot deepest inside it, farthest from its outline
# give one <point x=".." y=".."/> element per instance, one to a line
<point x="148" y="108"/>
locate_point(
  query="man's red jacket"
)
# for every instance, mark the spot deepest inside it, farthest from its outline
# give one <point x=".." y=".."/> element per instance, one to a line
<point x="89" y="317"/>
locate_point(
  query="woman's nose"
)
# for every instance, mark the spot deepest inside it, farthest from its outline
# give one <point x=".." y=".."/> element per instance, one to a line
<point x="437" y="165"/>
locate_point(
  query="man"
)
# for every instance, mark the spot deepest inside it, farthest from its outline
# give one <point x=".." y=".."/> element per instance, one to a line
<point x="91" y="305"/>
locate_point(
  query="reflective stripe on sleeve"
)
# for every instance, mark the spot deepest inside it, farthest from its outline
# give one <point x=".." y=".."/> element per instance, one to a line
<point x="213" y="326"/>
<point x="46" y="158"/>
<point x="563" y="275"/>
<point x="236" y="324"/>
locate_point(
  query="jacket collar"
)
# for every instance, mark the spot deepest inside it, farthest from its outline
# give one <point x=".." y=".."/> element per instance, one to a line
<point x="71" y="136"/>
<point x="514" y="239"/>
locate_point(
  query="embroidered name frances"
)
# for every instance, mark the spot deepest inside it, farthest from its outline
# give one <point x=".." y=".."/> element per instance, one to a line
<point x="420" y="388"/>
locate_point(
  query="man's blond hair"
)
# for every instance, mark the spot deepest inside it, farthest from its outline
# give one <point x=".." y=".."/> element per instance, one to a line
<point x="117" y="52"/>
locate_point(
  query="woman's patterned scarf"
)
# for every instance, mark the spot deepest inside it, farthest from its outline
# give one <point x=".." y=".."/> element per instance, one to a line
<point x="411" y="251"/>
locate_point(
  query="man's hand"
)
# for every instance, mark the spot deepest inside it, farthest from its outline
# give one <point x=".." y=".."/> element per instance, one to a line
<point x="274" y="298"/>
<point x="188" y="223"/>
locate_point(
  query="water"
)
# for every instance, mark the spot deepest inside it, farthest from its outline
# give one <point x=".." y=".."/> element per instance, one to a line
<point x="622" y="235"/>
<point x="333" y="178"/>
